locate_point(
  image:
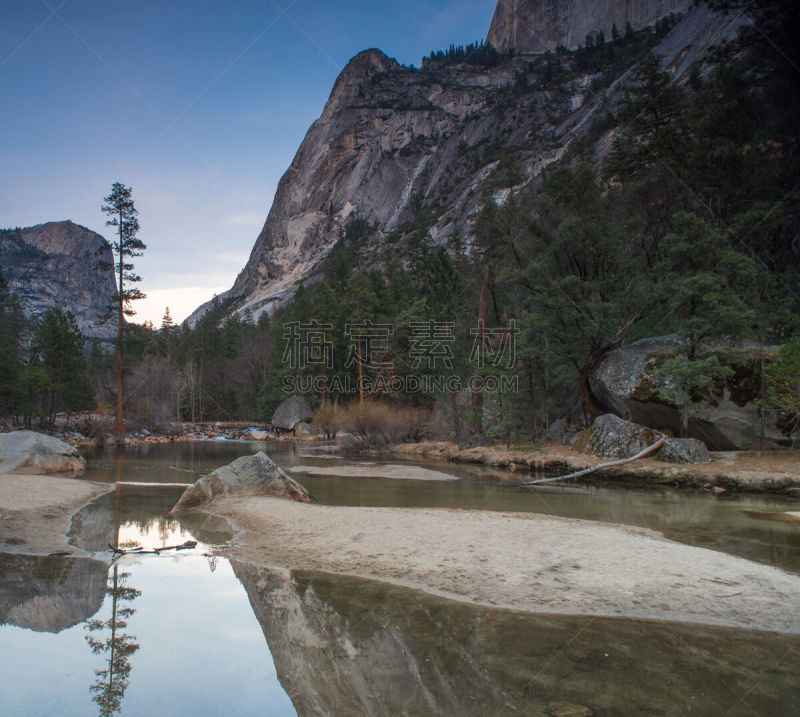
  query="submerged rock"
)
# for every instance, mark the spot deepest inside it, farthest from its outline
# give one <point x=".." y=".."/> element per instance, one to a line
<point x="292" y="411"/>
<point x="31" y="453"/>
<point x="248" y="475"/>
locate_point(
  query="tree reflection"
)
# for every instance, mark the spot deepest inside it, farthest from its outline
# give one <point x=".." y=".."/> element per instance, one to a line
<point x="109" y="637"/>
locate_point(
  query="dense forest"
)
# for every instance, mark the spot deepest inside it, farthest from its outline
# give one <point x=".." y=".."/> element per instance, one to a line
<point x="688" y="226"/>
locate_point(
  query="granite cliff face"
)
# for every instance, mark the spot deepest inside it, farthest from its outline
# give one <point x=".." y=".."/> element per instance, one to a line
<point x="542" y="25"/>
<point x="395" y="140"/>
<point x="56" y="264"/>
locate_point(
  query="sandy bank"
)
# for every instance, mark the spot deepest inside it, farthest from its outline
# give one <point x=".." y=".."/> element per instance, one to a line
<point x="736" y="470"/>
<point x="374" y="470"/>
<point x="521" y="561"/>
<point x="35" y="511"/>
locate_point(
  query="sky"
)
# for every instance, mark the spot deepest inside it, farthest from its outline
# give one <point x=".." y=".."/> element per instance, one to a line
<point x="198" y="105"/>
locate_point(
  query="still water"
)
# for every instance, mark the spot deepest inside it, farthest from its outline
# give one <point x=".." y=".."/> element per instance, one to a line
<point x="186" y="633"/>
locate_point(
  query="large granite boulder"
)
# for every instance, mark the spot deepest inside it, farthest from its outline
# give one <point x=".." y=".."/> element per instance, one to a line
<point x="612" y="437"/>
<point x="627" y="384"/>
<point x="31" y="453"/>
<point x="246" y="476"/>
<point x="683" y="450"/>
<point x="292" y="411"/>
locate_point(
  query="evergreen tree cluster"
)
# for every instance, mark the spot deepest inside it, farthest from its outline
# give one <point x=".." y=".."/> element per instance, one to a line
<point x="476" y="53"/>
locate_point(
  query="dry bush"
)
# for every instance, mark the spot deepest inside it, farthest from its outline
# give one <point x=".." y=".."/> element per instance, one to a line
<point x="373" y="423"/>
<point x="97" y="426"/>
<point x="329" y="419"/>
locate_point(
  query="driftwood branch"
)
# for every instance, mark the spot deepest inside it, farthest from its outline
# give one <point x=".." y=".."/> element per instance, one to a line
<point x="600" y="466"/>
<point x="188" y="545"/>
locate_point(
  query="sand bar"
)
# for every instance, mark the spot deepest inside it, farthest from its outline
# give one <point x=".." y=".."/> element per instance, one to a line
<point x="35" y="511"/>
<point x="518" y="560"/>
<point x="374" y="470"/>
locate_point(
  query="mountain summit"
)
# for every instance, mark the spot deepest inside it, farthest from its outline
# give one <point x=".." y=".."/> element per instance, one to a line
<point x="397" y="147"/>
<point x="542" y="25"/>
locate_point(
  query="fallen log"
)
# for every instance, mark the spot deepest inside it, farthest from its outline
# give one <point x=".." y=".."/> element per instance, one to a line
<point x="600" y="466"/>
<point x="188" y="545"/>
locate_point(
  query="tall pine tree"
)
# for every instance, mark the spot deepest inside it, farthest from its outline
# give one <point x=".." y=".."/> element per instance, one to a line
<point x="123" y="216"/>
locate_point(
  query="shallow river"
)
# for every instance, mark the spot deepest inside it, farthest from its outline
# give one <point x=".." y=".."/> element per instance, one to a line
<point x="185" y="633"/>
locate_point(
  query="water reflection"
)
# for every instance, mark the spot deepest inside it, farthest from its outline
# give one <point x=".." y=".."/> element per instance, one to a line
<point x="345" y="646"/>
<point x="108" y="637"/>
<point x="49" y="594"/>
<point x="689" y="516"/>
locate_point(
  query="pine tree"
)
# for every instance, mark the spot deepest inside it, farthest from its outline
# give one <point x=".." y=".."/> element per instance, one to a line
<point x="58" y="350"/>
<point x="11" y="324"/>
<point x="123" y="215"/>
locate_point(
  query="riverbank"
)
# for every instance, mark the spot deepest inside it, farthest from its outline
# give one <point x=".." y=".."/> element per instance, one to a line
<point x="755" y="471"/>
<point x="526" y="562"/>
<point x="35" y="512"/>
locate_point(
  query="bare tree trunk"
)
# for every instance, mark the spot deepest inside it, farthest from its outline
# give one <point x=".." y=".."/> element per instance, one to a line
<point x="763" y="395"/>
<point x="483" y="314"/>
<point x="119" y="424"/>
<point x="590" y="403"/>
<point x="600" y="466"/>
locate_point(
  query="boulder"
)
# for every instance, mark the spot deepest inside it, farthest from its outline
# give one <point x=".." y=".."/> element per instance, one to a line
<point x="246" y="476"/>
<point x="293" y="410"/>
<point x="683" y="450"/>
<point x="627" y="385"/>
<point x="612" y="437"/>
<point x="558" y="430"/>
<point x="257" y="435"/>
<point x="31" y="453"/>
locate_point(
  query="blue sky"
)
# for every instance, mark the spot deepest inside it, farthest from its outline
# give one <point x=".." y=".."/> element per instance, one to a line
<point x="199" y="106"/>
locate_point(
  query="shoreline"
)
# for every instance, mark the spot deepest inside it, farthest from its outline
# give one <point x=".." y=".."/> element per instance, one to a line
<point x="742" y="471"/>
<point x="36" y="512"/>
<point x="527" y="562"/>
<point x="738" y="471"/>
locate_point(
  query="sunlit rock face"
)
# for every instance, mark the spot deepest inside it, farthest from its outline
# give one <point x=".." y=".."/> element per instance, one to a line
<point x="50" y="594"/>
<point x="393" y="141"/>
<point x="542" y="25"/>
<point x="62" y="264"/>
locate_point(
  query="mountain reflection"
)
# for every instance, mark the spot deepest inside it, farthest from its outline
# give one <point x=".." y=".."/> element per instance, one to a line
<point x="49" y="593"/>
<point x="347" y="646"/>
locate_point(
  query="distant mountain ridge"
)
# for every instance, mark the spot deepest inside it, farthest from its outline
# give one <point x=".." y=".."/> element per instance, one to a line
<point x="61" y="264"/>
<point x="542" y="25"/>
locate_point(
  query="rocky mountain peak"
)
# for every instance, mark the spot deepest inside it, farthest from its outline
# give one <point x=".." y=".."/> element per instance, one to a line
<point x="542" y="25"/>
<point x="394" y="139"/>
<point x="355" y="76"/>
<point x="61" y="264"/>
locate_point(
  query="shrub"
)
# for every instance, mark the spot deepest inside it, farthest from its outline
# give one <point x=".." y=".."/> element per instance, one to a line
<point x="374" y="423"/>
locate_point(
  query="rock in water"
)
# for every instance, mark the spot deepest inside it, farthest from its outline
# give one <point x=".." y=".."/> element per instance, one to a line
<point x="612" y="437"/>
<point x="292" y="411"/>
<point x="248" y="475"/>
<point x="683" y="450"/>
<point x="31" y="453"/>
